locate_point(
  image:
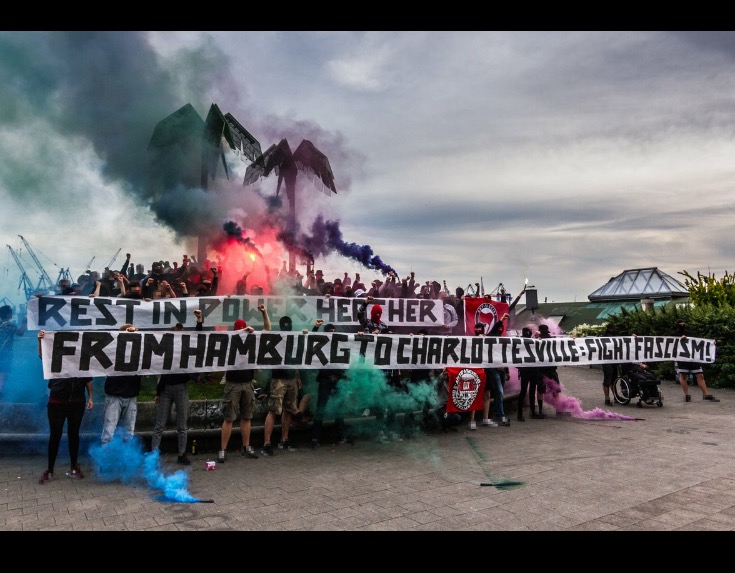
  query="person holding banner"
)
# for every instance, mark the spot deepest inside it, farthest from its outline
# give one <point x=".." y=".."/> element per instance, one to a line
<point x="121" y="401"/>
<point x="282" y="400"/>
<point x="684" y="369"/>
<point x="238" y="400"/>
<point x="328" y="380"/>
<point x="173" y="390"/>
<point x="66" y="403"/>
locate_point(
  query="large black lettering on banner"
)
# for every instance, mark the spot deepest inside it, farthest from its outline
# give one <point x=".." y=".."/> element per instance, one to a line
<point x="103" y="353"/>
<point x="105" y="313"/>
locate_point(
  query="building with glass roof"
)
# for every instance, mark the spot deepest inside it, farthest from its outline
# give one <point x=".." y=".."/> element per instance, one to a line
<point x="632" y="290"/>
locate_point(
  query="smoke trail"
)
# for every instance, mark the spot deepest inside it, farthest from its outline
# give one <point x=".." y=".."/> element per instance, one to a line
<point x="233" y="230"/>
<point x="571" y="405"/>
<point x="125" y="461"/>
<point x="366" y="387"/>
<point x="326" y="238"/>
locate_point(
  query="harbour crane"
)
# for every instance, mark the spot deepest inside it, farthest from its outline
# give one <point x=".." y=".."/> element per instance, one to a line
<point x="45" y="282"/>
<point x="25" y="282"/>
<point x="113" y="259"/>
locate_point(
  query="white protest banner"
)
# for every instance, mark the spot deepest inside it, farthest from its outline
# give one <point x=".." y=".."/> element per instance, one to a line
<point x="105" y="313"/>
<point x="109" y="353"/>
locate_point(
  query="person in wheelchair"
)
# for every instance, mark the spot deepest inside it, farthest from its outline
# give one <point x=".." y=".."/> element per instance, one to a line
<point x="636" y="380"/>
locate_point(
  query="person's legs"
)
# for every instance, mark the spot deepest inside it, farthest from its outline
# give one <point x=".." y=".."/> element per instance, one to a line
<point x="275" y="408"/>
<point x="703" y="387"/>
<point x="113" y="409"/>
<point x="684" y="383"/>
<point x="180" y="397"/>
<point x="498" y="405"/>
<point x="230" y="412"/>
<point x="290" y="408"/>
<point x="522" y="396"/>
<point x="247" y="411"/>
<point x="56" y="418"/>
<point x="129" y="415"/>
<point x="163" y="410"/>
<point x="73" y="426"/>
<point x="609" y="372"/>
<point x="323" y="391"/>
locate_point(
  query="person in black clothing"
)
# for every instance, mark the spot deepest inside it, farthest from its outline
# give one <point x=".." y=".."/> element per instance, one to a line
<point x="121" y="401"/>
<point x="327" y="380"/>
<point x="151" y="282"/>
<point x="66" y="403"/>
<point x="172" y="390"/>
<point x="529" y="378"/>
<point x="684" y="369"/>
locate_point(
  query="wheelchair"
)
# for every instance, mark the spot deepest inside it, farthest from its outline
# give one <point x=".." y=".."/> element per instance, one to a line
<point x="634" y="381"/>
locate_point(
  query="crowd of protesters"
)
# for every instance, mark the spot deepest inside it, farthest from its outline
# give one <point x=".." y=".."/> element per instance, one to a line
<point x="191" y="278"/>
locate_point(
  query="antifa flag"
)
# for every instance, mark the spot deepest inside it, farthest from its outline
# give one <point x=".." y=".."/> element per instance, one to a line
<point x="482" y="309"/>
<point x="466" y="389"/>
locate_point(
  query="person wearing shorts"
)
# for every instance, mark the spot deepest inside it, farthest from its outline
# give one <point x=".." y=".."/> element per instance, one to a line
<point x="684" y="369"/>
<point x="283" y="401"/>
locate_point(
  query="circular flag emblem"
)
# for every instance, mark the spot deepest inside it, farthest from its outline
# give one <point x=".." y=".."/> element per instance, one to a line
<point x="465" y="389"/>
<point x="487" y="314"/>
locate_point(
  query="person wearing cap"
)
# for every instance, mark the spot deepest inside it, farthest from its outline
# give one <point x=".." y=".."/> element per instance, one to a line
<point x="238" y="399"/>
<point x="283" y="400"/>
<point x="374" y="325"/>
<point x="684" y="369"/>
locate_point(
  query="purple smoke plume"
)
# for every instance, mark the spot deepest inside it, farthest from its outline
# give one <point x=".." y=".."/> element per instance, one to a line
<point x="569" y="404"/>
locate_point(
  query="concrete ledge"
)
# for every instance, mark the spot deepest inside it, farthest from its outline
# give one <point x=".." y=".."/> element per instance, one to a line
<point x="205" y="420"/>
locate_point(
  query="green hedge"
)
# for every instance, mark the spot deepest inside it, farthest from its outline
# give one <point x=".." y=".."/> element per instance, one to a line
<point x="704" y="321"/>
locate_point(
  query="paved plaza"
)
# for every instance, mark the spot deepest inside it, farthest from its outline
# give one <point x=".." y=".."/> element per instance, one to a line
<point x="673" y="468"/>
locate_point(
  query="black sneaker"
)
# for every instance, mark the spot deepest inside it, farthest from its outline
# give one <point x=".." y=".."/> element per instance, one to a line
<point x="711" y="398"/>
<point x="183" y="460"/>
<point x="687" y="398"/>
<point x="267" y="450"/>
<point x="314" y="444"/>
<point x="608" y="402"/>
<point x="248" y="452"/>
<point x="286" y="446"/>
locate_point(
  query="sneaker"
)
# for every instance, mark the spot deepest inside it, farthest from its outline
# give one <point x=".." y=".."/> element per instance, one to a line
<point x="314" y="444"/>
<point x="75" y="473"/>
<point x="687" y="398"/>
<point x="183" y="460"/>
<point x="473" y="426"/>
<point x="248" y="452"/>
<point x="382" y="438"/>
<point x="345" y="441"/>
<point x="47" y="476"/>
<point x="286" y="446"/>
<point x="539" y="416"/>
<point x="608" y="402"/>
<point x="221" y="457"/>
<point x="488" y="423"/>
<point x="711" y="398"/>
<point x="396" y="437"/>
<point x="504" y="421"/>
<point x="267" y="450"/>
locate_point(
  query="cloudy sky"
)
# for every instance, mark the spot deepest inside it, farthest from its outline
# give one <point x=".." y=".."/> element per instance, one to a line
<point x="563" y="158"/>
